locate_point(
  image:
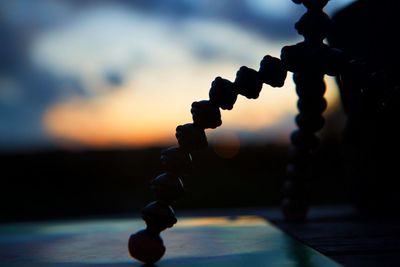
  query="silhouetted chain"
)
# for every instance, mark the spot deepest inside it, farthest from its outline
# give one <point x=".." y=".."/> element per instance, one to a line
<point x="147" y="245"/>
<point x="309" y="61"/>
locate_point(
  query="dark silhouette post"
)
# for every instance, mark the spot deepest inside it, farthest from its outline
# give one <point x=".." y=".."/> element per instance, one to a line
<point x="366" y="31"/>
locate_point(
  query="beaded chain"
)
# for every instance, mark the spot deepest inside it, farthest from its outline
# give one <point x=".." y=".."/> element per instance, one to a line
<point x="309" y="61"/>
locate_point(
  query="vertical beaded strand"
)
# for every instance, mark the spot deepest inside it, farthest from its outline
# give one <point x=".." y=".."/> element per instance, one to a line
<point x="309" y="61"/>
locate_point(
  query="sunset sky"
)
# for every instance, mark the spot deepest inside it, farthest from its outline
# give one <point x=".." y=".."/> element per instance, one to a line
<point x="100" y="74"/>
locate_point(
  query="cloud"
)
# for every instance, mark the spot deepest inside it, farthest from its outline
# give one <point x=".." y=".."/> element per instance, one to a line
<point x="25" y="90"/>
<point x="114" y="78"/>
<point x="272" y="20"/>
<point x="63" y="57"/>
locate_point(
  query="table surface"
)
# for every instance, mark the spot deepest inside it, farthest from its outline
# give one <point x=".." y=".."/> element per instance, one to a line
<point x="194" y="241"/>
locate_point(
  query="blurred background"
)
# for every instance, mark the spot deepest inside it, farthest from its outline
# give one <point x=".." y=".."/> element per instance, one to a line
<point x="91" y="92"/>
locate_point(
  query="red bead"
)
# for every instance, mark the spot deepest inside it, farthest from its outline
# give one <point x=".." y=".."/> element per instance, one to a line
<point x="146" y="247"/>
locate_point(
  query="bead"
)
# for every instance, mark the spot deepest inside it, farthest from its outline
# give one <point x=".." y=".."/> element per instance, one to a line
<point x="315" y="58"/>
<point x="176" y="160"/>
<point x="146" y="247"/>
<point x="191" y="137"/>
<point x="223" y="93"/>
<point x="248" y="82"/>
<point x="304" y="140"/>
<point x="309" y="80"/>
<point x="309" y="60"/>
<point x="206" y="115"/>
<point x="294" y="58"/>
<point x="310" y="123"/>
<point x="312" y="93"/>
<point x="314" y="26"/>
<point x="306" y="105"/>
<point x="272" y="71"/>
<point x="310" y="87"/>
<point x="158" y="216"/>
<point x="167" y="187"/>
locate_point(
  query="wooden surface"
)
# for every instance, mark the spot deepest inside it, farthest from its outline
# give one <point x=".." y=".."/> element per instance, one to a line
<point x="195" y="241"/>
<point x="348" y="237"/>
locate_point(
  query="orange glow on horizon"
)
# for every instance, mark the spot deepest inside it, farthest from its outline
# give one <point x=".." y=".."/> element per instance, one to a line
<point x="156" y="97"/>
<point x="125" y="117"/>
<point x="106" y="122"/>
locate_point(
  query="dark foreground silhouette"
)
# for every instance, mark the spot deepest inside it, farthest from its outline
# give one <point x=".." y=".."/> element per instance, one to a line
<point x="367" y="31"/>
